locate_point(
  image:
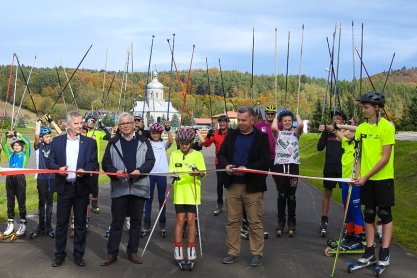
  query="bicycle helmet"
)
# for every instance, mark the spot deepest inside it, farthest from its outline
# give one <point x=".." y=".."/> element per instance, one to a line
<point x="44" y="130"/>
<point x="157" y="128"/>
<point x="223" y="118"/>
<point x="270" y="109"/>
<point x="372" y="98"/>
<point x="285" y="113"/>
<point x="185" y="135"/>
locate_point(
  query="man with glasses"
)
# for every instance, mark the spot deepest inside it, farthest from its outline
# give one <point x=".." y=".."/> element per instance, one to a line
<point x="131" y="154"/>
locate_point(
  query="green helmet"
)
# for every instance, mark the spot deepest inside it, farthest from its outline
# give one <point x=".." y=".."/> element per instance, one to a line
<point x="270" y="109"/>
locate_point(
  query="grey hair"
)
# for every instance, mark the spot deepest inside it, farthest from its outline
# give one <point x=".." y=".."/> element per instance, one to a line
<point x="73" y="114"/>
<point x="246" y="109"/>
<point x="126" y="115"/>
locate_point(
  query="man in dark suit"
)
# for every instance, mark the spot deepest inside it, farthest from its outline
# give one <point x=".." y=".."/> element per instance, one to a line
<point x="72" y="151"/>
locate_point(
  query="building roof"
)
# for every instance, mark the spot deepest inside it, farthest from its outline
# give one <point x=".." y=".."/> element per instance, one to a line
<point x="202" y="121"/>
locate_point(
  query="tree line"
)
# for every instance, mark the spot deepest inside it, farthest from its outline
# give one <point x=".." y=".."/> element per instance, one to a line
<point x="87" y="87"/>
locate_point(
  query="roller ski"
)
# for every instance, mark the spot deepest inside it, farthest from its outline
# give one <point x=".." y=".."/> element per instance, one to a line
<point x="192" y="256"/>
<point x="163" y="229"/>
<point x="323" y="226"/>
<point x="179" y="256"/>
<point x="367" y="259"/>
<point x="8" y="233"/>
<point x="383" y="261"/>
<point x="350" y="244"/>
<point x="146" y="230"/>
<point x="218" y="210"/>
<point x="20" y="233"/>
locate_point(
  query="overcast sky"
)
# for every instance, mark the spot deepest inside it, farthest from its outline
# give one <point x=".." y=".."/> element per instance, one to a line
<point x="55" y="30"/>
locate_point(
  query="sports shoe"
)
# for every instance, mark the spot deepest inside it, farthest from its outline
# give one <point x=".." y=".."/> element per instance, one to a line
<point x="383" y="258"/>
<point x="230" y="259"/>
<point x="256" y="260"/>
<point x="368" y="256"/>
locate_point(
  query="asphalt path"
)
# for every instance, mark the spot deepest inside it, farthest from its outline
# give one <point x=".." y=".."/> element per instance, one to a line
<point x="301" y="256"/>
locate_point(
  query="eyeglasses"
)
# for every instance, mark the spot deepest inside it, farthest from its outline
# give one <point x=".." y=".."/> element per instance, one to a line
<point x="125" y="124"/>
<point x="270" y="114"/>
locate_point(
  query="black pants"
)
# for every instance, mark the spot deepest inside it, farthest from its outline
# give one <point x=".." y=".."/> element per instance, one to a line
<point x="16" y="187"/>
<point x="128" y="205"/>
<point x="45" y="194"/>
<point x="286" y="187"/>
<point x="220" y="184"/>
<point x="67" y="200"/>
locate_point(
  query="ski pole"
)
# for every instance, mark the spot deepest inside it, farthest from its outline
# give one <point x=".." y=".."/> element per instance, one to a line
<point x="194" y="168"/>
<point x="355" y="165"/>
<point x="157" y="219"/>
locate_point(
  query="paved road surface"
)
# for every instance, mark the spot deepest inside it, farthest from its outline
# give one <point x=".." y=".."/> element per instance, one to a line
<point x="301" y="256"/>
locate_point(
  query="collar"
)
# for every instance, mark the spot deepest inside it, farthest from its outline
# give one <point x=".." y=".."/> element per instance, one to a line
<point x="75" y="139"/>
<point x="128" y="139"/>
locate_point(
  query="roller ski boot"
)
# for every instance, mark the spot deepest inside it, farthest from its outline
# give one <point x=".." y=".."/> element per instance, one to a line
<point x="146" y="230"/>
<point x="291" y="227"/>
<point x="323" y="226"/>
<point x="179" y="256"/>
<point x="71" y="229"/>
<point x="36" y="233"/>
<point x="94" y="206"/>
<point x="21" y="232"/>
<point x="107" y="233"/>
<point x="367" y="259"/>
<point x="87" y="223"/>
<point x="191" y="256"/>
<point x="218" y="210"/>
<point x="8" y="233"/>
<point x="163" y="229"/>
<point x="383" y="261"/>
<point x="244" y="229"/>
<point x="281" y="226"/>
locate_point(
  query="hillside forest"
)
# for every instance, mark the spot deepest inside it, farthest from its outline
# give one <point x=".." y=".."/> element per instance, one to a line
<point x="117" y="94"/>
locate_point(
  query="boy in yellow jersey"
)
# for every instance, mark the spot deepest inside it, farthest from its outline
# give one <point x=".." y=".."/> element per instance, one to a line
<point x="377" y="136"/>
<point x="187" y="193"/>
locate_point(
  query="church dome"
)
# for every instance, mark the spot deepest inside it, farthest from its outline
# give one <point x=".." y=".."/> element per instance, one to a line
<point x="155" y="84"/>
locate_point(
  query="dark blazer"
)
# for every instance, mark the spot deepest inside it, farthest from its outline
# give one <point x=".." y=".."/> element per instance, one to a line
<point x="87" y="160"/>
<point x="259" y="159"/>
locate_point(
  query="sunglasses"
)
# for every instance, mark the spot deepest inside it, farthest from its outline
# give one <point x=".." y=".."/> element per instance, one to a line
<point x="138" y="120"/>
<point x="270" y="114"/>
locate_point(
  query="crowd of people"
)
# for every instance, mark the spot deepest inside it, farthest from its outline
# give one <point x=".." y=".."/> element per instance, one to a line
<point x="136" y="156"/>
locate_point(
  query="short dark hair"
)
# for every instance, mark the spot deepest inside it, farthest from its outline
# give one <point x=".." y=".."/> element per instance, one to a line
<point x="246" y="109"/>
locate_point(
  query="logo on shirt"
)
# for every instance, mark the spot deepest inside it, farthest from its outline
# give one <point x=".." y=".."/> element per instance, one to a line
<point x="179" y="165"/>
<point x="46" y="153"/>
<point x="263" y="129"/>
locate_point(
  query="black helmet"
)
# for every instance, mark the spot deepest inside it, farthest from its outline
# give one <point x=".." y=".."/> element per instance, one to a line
<point x="285" y="113"/>
<point x="339" y="113"/>
<point x="372" y="98"/>
<point x="223" y="118"/>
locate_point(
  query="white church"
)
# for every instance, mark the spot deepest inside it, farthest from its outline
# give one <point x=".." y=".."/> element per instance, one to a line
<point x="155" y="105"/>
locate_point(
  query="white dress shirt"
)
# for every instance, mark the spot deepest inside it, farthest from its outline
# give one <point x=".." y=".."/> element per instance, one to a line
<point x="73" y="147"/>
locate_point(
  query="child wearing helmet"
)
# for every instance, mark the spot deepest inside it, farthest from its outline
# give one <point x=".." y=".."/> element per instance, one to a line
<point x="16" y="184"/>
<point x="187" y="190"/>
<point x="161" y="165"/>
<point x="287" y="161"/>
<point x="44" y="182"/>
<point x="376" y="179"/>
